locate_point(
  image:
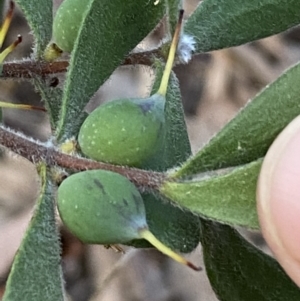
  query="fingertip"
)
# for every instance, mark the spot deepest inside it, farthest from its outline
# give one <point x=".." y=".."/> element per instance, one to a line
<point x="278" y="199"/>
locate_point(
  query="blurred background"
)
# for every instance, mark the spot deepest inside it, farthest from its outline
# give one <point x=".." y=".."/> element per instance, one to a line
<point x="214" y="87"/>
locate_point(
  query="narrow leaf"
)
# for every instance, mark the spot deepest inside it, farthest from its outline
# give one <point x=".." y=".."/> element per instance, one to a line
<point x="39" y="17"/>
<point x="217" y="24"/>
<point x="249" y="135"/>
<point x="109" y="32"/>
<point x="177" y="144"/>
<point x="226" y="196"/>
<point x="36" y="272"/>
<point x="240" y="272"/>
<point x="52" y="97"/>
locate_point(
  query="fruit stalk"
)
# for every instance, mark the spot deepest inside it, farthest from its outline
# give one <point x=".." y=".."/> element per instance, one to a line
<point x="147" y="235"/>
<point x="6" y="23"/>
<point x="9" y="105"/>
<point x="165" y="79"/>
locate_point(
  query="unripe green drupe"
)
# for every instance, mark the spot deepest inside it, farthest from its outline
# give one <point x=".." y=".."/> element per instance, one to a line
<point x="125" y="132"/>
<point x="129" y="131"/>
<point x="103" y="207"/>
<point x="66" y="23"/>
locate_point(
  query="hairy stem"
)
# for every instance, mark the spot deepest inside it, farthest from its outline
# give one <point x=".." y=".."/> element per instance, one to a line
<point x="29" y="69"/>
<point x="36" y="151"/>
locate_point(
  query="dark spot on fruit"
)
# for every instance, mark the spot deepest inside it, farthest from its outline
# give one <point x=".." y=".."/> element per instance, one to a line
<point x="146" y="106"/>
<point x="160" y="131"/>
<point x="137" y="201"/>
<point x="161" y="127"/>
<point x="99" y="185"/>
<point x="119" y="208"/>
<point x="125" y="202"/>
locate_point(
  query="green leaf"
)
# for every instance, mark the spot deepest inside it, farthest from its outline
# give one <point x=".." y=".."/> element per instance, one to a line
<point x="227" y="196"/>
<point x="39" y="17"/>
<point x="36" y="272"/>
<point x="238" y="271"/>
<point x="108" y="33"/>
<point x="177" y="144"/>
<point x="249" y="135"/>
<point x="175" y="227"/>
<point x="217" y="24"/>
<point x="52" y="97"/>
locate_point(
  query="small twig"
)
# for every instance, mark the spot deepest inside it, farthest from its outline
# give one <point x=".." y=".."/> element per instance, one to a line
<point x="28" y="68"/>
<point x="36" y="151"/>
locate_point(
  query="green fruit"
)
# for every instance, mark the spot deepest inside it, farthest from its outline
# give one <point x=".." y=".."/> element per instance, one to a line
<point x="129" y="131"/>
<point x="67" y="22"/>
<point x="103" y="207"/>
<point x="124" y="131"/>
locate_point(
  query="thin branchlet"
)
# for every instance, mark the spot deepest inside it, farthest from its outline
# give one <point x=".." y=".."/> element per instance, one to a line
<point x="37" y="151"/>
<point x="26" y="69"/>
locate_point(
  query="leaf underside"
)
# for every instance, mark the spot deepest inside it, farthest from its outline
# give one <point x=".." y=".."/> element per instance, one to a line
<point x="227" y="196"/>
<point x="238" y="271"/>
<point x="217" y="24"/>
<point x="52" y="98"/>
<point x="36" y="272"/>
<point x="248" y="136"/>
<point x="39" y="16"/>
